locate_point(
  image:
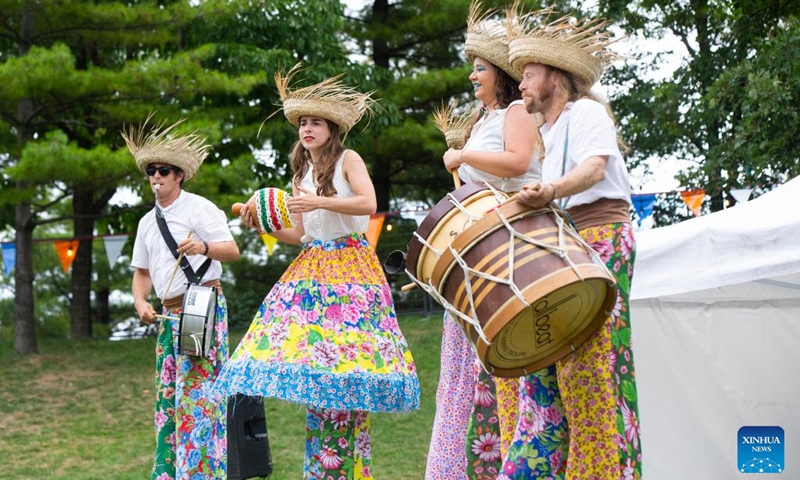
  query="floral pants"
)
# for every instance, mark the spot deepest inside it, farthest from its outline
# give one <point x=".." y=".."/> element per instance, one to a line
<point x="191" y="440"/>
<point x="338" y="445"/>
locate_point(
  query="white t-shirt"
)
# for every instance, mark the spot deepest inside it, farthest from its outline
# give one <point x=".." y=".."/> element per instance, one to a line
<point x="189" y="212"/>
<point x="323" y="224"/>
<point x="591" y="133"/>
<point x="487" y="136"/>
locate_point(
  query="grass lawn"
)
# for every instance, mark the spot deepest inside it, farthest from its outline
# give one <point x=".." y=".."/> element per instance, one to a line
<point x="83" y="410"/>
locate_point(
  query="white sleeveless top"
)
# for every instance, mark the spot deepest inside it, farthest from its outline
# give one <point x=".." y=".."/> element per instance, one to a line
<point x="326" y="225"/>
<point x="487" y="136"/>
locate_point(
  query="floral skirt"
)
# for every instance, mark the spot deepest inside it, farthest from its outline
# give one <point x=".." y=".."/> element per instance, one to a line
<point x="327" y="336"/>
<point x="190" y="425"/>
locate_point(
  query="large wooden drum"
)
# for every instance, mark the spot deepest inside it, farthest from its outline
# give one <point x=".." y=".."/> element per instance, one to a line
<point x="525" y="287"/>
<point x="448" y="218"/>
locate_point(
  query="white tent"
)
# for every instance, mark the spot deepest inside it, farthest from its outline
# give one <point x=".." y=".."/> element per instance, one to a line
<point x="715" y="312"/>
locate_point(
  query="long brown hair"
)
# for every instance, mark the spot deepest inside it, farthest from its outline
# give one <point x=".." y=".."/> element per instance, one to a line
<point x="325" y="168"/>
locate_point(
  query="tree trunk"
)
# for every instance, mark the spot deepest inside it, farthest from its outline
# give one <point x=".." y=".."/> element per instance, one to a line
<point x="81" y="307"/>
<point x="24" y="324"/>
<point x="381" y="167"/>
<point x="87" y="204"/>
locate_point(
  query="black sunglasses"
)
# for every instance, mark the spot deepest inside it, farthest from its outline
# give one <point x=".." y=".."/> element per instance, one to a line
<point x="163" y="171"/>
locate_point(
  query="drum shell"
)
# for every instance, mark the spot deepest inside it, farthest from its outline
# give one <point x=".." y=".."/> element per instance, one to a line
<point x="567" y="305"/>
<point x="444" y="223"/>
<point x="197" y="320"/>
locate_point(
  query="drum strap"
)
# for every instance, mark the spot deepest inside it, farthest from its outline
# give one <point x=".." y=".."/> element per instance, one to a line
<point x="562" y="204"/>
<point x="191" y="275"/>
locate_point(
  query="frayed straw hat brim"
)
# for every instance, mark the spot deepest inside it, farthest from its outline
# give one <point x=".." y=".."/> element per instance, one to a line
<point x="183" y="160"/>
<point x="492" y="49"/>
<point x="525" y="50"/>
<point x="152" y="144"/>
<point x="294" y="108"/>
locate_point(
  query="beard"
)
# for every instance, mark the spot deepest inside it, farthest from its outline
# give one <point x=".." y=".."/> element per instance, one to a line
<point x="538" y="101"/>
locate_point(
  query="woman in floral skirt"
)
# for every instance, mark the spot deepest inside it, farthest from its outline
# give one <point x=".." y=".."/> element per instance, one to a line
<point x="326" y="335"/>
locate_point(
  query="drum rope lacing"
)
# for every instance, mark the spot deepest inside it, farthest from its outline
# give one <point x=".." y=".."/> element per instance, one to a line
<point x="471" y="217"/>
<point x="560" y="250"/>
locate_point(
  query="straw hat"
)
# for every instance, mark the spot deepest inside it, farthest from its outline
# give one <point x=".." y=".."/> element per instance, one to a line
<point x="452" y="125"/>
<point x="577" y="46"/>
<point x="329" y="99"/>
<point x="152" y="145"/>
<point x="486" y="38"/>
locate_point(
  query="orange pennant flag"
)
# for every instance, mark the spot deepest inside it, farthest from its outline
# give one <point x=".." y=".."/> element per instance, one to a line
<point x="374" y="229"/>
<point x="694" y="200"/>
<point x="269" y="241"/>
<point x="66" y="250"/>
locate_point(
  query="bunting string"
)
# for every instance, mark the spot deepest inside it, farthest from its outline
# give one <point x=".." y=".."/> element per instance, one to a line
<point x="67" y="247"/>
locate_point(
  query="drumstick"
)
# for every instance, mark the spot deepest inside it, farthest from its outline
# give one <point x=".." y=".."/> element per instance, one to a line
<point x="512" y="198"/>
<point x="407" y="287"/>
<point x="456" y="179"/>
<point x="177" y="264"/>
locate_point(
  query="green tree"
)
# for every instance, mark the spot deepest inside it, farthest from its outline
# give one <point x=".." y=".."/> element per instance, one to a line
<point x="72" y="74"/>
<point x="735" y="89"/>
<point x="416" y="50"/>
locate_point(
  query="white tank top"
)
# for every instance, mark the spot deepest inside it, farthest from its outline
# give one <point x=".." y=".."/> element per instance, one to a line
<point x="487" y="136"/>
<point x="324" y="224"/>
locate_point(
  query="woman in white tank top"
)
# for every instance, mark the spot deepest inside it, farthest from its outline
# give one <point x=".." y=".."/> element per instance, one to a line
<point x="326" y="336"/>
<point x="476" y="414"/>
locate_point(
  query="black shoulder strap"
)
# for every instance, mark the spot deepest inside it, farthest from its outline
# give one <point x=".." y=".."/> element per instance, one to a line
<point x="191" y="275"/>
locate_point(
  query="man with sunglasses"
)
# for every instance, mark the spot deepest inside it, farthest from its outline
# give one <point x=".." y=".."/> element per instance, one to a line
<point x="179" y="242"/>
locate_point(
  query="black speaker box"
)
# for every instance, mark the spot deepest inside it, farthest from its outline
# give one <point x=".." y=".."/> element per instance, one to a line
<point x="248" y="444"/>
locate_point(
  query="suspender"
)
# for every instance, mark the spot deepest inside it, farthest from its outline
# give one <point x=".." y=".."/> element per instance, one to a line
<point x="191" y="275"/>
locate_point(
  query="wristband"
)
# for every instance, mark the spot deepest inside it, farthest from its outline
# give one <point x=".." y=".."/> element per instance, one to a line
<point x="206" y="245"/>
<point x="554" y="191"/>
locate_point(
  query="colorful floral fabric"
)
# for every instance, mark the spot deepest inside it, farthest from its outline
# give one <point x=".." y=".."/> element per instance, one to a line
<point x="447" y="456"/>
<point x="610" y="350"/>
<point x="539" y="449"/>
<point x="507" y="410"/>
<point x="191" y="440"/>
<point x="595" y="393"/>
<point x="327" y="336"/>
<point x="338" y="445"/>
<point x="483" y="433"/>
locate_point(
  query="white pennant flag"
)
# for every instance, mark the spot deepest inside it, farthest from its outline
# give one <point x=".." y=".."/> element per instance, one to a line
<point x="114" y="248"/>
<point x="741" y="195"/>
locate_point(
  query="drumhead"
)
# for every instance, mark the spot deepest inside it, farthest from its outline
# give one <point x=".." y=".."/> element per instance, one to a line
<point x="554" y="326"/>
<point x="444" y="222"/>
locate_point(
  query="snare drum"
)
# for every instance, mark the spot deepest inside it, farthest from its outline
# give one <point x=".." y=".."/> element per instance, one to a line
<point x="525" y="287"/>
<point x="197" y="320"/>
<point x="451" y="216"/>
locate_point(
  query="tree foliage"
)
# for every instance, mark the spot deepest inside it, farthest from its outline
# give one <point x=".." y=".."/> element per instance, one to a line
<point x="729" y="108"/>
<point x="74" y="73"/>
